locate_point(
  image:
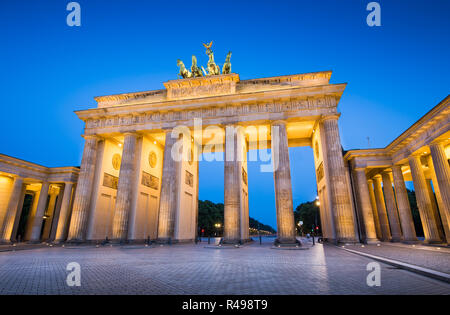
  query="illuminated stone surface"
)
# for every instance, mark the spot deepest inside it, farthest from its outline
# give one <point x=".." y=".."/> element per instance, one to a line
<point x="194" y="269"/>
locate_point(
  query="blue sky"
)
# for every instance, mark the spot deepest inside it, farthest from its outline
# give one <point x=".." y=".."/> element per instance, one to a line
<point x="395" y="73"/>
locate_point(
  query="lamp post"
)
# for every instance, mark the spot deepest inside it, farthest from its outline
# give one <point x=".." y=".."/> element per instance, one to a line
<point x="217" y="226"/>
<point x="300" y="223"/>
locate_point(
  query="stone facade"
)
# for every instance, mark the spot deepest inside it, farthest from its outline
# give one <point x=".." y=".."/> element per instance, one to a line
<point x="421" y="155"/>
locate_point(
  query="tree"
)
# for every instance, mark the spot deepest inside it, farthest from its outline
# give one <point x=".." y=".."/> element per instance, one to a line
<point x="210" y="213"/>
<point x="309" y="213"/>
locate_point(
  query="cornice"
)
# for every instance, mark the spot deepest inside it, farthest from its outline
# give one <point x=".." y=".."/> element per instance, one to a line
<point x="334" y="90"/>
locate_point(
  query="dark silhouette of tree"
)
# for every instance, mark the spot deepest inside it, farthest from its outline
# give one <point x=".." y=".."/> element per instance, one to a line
<point x="309" y="213"/>
<point x="210" y="213"/>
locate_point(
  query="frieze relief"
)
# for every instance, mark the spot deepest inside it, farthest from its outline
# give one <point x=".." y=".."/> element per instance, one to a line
<point x="326" y="104"/>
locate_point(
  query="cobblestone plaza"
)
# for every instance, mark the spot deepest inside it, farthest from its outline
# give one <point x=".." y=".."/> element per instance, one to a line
<point x="204" y="269"/>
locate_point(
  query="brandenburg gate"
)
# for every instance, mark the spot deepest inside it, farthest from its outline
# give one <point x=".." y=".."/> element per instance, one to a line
<point x="127" y="168"/>
<point x="139" y="174"/>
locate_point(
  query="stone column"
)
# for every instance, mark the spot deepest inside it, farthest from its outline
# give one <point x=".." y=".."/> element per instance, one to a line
<point x="381" y="208"/>
<point x="83" y="191"/>
<point x="49" y="213"/>
<point x="404" y="209"/>
<point x="434" y="209"/>
<point x="232" y="194"/>
<point x="374" y="208"/>
<point x="442" y="174"/>
<point x="365" y="205"/>
<point x="126" y="179"/>
<point x="40" y="210"/>
<point x="18" y="213"/>
<point x="423" y="200"/>
<point x="340" y="198"/>
<point x="394" y="222"/>
<point x="11" y="210"/>
<point x="64" y="213"/>
<point x="283" y="187"/>
<point x="169" y="191"/>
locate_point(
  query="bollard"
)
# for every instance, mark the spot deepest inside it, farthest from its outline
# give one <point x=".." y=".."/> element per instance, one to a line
<point x="170" y="241"/>
<point x="260" y="240"/>
<point x="209" y="240"/>
<point x="313" y="240"/>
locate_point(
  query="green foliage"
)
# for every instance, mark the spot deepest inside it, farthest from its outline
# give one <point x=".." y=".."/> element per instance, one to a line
<point x="210" y="213"/>
<point x="309" y="213"/>
<point x="255" y="224"/>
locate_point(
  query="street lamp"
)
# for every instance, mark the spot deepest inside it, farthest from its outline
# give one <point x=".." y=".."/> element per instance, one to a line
<point x="217" y="226"/>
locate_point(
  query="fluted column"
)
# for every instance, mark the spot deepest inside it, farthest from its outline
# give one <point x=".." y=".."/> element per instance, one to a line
<point x="169" y="191"/>
<point x="381" y="207"/>
<point x="394" y="222"/>
<point x="11" y="211"/>
<point x="283" y="186"/>
<point x="442" y="174"/>
<point x="365" y="205"/>
<point x="124" y="188"/>
<point x="374" y="209"/>
<point x="404" y="209"/>
<point x="232" y="194"/>
<point x="64" y="214"/>
<point x="423" y="200"/>
<point x="40" y="210"/>
<point x="435" y="210"/>
<point x="83" y="191"/>
<point x="49" y="213"/>
<point x="340" y="197"/>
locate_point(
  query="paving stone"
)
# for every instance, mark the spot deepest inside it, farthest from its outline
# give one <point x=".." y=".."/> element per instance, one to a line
<point x="194" y="269"/>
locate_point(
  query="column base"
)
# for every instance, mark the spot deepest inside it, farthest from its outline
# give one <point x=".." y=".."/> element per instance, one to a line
<point x="287" y="243"/>
<point x="330" y="240"/>
<point x="35" y="242"/>
<point x="231" y="242"/>
<point x="5" y="242"/>
<point x="119" y="241"/>
<point x="76" y="241"/>
<point x="395" y="240"/>
<point x="411" y="241"/>
<point x="433" y="242"/>
<point x="372" y="241"/>
<point x="166" y="240"/>
<point x="347" y="241"/>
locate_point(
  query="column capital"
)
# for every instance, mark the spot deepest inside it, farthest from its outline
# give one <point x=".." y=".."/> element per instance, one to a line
<point x="414" y="156"/>
<point x="386" y="171"/>
<point x="397" y="167"/>
<point x="330" y="117"/>
<point x="89" y="137"/>
<point x="278" y="122"/>
<point x="17" y="176"/>
<point x="130" y="133"/>
<point x="436" y="142"/>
